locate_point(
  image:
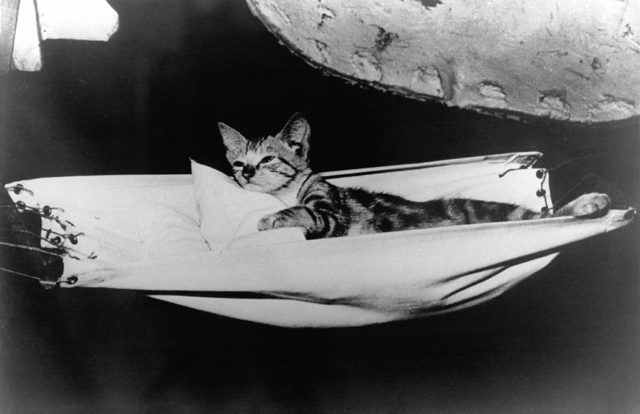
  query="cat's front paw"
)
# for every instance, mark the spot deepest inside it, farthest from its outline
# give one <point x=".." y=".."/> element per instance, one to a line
<point x="270" y="221"/>
<point x="590" y="205"/>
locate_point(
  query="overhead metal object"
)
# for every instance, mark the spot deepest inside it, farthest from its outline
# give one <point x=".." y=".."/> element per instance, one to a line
<point x="573" y="60"/>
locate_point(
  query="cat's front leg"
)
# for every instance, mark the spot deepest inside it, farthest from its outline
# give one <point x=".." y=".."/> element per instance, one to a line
<point x="273" y="221"/>
<point x="316" y="224"/>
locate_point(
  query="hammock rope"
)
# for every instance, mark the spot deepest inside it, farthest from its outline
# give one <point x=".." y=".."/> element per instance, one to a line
<point x="55" y="238"/>
<point x="32" y="249"/>
<point x="47" y="284"/>
<point x="15" y="272"/>
<point x="543" y="174"/>
<point x="578" y="182"/>
<point x="44" y="212"/>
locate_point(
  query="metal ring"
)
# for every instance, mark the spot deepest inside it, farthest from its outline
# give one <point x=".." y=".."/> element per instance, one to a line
<point x="18" y="188"/>
<point x="71" y="280"/>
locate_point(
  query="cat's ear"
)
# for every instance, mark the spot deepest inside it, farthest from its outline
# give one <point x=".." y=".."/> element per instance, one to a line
<point x="296" y="134"/>
<point x="233" y="140"/>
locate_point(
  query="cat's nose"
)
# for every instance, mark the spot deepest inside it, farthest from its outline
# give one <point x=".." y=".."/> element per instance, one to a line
<point x="248" y="171"/>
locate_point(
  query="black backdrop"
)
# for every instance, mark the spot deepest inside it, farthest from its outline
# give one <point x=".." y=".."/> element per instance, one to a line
<point x="566" y="340"/>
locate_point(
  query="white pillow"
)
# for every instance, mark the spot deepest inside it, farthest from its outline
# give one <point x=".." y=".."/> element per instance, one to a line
<point x="228" y="212"/>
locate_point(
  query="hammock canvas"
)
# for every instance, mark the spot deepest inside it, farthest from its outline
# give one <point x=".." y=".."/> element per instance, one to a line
<point x="192" y="240"/>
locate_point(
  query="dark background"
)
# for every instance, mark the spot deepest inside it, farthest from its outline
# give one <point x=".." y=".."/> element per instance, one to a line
<point x="564" y="341"/>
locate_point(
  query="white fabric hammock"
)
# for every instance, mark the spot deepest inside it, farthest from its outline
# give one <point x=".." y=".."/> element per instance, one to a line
<point x="174" y="237"/>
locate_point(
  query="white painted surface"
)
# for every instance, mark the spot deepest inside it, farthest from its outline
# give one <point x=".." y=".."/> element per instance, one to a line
<point x="93" y="20"/>
<point x="26" y="47"/>
<point x="570" y="60"/>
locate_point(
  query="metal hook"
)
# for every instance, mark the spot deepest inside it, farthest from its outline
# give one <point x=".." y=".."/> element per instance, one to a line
<point x="61" y="249"/>
<point x="72" y="237"/>
<point x="18" y="188"/>
<point x="531" y="159"/>
<point x="71" y="280"/>
<point x="59" y="221"/>
<point x="46" y="211"/>
<point x="21" y="206"/>
<point x="522" y="167"/>
<point x="543" y="174"/>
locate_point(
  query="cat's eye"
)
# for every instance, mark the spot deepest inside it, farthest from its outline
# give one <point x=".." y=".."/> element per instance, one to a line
<point x="266" y="159"/>
<point x="238" y="164"/>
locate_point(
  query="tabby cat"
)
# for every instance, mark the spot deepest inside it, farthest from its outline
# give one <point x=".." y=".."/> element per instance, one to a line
<point x="279" y="165"/>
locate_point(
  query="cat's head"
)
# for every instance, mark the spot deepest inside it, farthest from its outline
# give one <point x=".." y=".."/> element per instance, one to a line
<point x="272" y="163"/>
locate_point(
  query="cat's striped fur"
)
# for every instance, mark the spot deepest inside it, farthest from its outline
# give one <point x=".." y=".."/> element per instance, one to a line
<point x="279" y="165"/>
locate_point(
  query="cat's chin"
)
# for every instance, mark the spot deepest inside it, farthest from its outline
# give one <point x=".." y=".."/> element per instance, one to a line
<point x="254" y="187"/>
<point x="257" y="186"/>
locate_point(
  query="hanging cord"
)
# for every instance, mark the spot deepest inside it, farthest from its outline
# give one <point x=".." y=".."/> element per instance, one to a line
<point x="567" y="162"/>
<point x="543" y="174"/>
<point x="21" y="206"/>
<point x="564" y="196"/>
<point x="45" y="212"/>
<point x="48" y="257"/>
<point x="33" y="249"/>
<point x="27" y="232"/>
<point x="47" y="284"/>
<point x="56" y="241"/>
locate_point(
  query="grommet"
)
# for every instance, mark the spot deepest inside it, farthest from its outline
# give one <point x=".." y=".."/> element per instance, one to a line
<point x="539" y="173"/>
<point x="17" y="189"/>
<point x="21" y="205"/>
<point x="56" y="240"/>
<point x="73" y="239"/>
<point x="544" y="209"/>
<point x="541" y="193"/>
<point x="72" y="280"/>
<point x="46" y="210"/>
